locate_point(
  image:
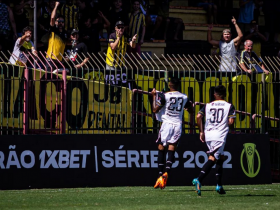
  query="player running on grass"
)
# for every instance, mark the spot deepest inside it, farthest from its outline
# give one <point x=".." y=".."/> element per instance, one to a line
<point x="169" y="107"/>
<point x="219" y="115"/>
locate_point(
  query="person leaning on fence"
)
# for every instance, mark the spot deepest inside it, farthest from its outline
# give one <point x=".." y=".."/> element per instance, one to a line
<point x="22" y="47"/>
<point x="251" y="64"/>
<point x="77" y="49"/>
<point x="169" y="108"/>
<point x="227" y="46"/>
<point x="118" y="42"/>
<point x="57" y="40"/>
<point x="249" y="61"/>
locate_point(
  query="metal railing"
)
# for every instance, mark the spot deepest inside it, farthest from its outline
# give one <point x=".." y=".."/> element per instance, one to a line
<point x="52" y="96"/>
<point x="48" y="96"/>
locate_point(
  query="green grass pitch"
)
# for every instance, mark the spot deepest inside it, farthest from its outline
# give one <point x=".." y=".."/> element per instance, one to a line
<point x="171" y="198"/>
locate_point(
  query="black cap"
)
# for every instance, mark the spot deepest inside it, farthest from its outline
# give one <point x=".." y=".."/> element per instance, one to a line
<point x="119" y="23"/>
<point x="74" y="31"/>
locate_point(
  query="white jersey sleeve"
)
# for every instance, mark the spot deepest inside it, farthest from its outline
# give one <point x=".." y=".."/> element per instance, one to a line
<point x="160" y="101"/>
<point x="216" y="115"/>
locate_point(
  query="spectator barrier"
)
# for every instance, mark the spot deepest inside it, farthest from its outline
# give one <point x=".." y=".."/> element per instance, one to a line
<point x="93" y="100"/>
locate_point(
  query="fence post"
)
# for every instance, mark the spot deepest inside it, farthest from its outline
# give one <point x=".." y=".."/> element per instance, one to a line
<point x="26" y="102"/>
<point x="263" y="104"/>
<point x="64" y="91"/>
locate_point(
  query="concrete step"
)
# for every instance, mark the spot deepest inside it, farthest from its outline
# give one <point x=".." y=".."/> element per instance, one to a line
<point x="191" y="47"/>
<point x="198" y="15"/>
<point x="189" y="14"/>
<point x="179" y="3"/>
<point x="199" y="32"/>
<point x="235" y="3"/>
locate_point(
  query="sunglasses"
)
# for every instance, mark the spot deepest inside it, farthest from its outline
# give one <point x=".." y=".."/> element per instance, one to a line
<point x="120" y="27"/>
<point x="60" y="21"/>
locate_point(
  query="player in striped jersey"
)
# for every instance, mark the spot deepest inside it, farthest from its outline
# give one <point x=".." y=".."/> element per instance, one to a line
<point x="171" y="105"/>
<point x="219" y="115"/>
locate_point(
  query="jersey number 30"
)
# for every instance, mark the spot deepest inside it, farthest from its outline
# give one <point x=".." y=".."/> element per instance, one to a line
<point x="217" y="115"/>
<point x="174" y="104"/>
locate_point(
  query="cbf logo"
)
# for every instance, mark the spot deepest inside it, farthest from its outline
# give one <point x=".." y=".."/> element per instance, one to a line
<point x="252" y="155"/>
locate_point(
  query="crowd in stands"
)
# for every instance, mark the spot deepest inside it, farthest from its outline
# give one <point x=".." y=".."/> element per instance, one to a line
<point x="78" y="26"/>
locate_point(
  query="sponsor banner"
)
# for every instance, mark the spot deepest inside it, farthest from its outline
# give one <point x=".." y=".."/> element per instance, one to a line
<point x="244" y="91"/>
<point x="100" y="101"/>
<point x="43" y="161"/>
<point x="91" y="105"/>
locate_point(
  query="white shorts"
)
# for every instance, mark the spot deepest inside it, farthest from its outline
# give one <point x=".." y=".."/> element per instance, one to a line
<point x="169" y="133"/>
<point x="216" y="148"/>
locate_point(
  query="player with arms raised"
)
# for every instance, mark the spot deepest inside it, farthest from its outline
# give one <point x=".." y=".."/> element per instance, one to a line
<point x="169" y="107"/>
<point x="219" y="115"/>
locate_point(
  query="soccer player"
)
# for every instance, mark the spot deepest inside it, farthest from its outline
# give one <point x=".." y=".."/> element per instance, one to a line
<point x="170" y="106"/>
<point x="219" y="115"/>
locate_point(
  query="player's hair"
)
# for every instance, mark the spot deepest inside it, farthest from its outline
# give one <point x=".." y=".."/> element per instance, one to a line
<point x="27" y="28"/>
<point x="175" y="81"/>
<point x="220" y="90"/>
<point x="137" y="1"/>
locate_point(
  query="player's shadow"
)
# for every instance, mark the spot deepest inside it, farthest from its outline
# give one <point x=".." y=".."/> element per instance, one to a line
<point x="183" y="190"/>
<point x="250" y="195"/>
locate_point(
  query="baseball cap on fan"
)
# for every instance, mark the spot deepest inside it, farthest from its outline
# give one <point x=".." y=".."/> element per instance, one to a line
<point x="74" y="31"/>
<point x="119" y="23"/>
